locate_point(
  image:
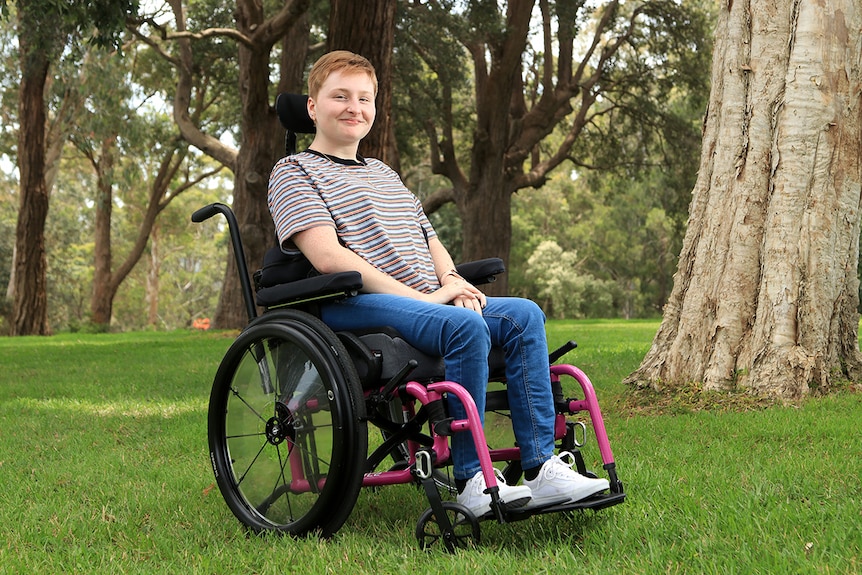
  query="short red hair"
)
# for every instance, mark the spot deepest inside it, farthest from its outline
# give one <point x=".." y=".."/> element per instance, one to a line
<point x="338" y="61"/>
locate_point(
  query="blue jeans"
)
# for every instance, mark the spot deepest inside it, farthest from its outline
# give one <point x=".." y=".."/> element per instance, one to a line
<point x="464" y="338"/>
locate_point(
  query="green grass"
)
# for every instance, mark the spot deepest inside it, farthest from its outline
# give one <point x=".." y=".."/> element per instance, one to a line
<point x="104" y="469"/>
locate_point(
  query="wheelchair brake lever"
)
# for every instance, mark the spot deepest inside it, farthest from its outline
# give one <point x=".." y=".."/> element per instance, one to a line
<point x="398" y="378"/>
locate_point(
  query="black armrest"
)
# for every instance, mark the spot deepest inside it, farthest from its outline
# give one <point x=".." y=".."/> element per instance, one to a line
<point x="289" y="279"/>
<point x="481" y="271"/>
<point x="325" y="286"/>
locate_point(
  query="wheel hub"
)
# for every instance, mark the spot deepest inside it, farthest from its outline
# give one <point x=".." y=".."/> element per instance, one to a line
<point x="280" y="426"/>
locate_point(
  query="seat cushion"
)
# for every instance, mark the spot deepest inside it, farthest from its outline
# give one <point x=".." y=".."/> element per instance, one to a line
<point x="391" y="352"/>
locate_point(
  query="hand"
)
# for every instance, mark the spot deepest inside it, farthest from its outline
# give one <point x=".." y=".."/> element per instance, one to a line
<point x="476" y="302"/>
<point x="460" y="293"/>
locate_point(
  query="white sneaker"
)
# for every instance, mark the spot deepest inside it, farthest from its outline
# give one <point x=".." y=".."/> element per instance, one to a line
<point x="558" y="483"/>
<point x="476" y="500"/>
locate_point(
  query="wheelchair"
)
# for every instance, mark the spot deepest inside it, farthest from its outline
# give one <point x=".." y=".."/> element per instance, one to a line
<point x="292" y="402"/>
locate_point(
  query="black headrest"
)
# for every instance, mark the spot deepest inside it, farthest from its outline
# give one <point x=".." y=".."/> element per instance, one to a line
<point x="293" y="113"/>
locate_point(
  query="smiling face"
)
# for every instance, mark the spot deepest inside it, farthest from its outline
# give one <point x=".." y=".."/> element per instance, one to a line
<point x="343" y="111"/>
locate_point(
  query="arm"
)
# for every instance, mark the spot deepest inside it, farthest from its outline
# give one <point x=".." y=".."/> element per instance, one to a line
<point x="443" y="263"/>
<point x="445" y="268"/>
<point x="321" y="246"/>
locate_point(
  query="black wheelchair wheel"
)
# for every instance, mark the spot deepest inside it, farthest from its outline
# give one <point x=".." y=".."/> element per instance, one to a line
<point x="287" y="431"/>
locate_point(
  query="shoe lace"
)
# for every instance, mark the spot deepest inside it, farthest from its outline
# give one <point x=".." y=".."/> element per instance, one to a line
<point x="562" y="465"/>
<point x="480" y="484"/>
<point x="567" y="457"/>
<point x="499" y="475"/>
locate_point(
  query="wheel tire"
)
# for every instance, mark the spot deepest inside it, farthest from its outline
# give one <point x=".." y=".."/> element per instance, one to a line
<point x="287" y="431"/>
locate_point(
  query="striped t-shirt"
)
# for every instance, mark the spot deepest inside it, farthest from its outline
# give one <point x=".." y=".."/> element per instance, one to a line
<point x="373" y="213"/>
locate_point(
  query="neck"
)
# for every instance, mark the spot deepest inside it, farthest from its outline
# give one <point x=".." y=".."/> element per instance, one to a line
<point x="349" y="152"/>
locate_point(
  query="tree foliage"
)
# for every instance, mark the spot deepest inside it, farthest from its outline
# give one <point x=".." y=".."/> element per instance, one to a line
<point x="534" y="86"/>
<point x="563" y="290"/>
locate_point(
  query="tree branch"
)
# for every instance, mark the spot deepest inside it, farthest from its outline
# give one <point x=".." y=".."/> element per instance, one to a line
<point x="273" y="29"/>
<point x="182" y="100"/>
<point x="188" y="184"/>
<point x="231" y="33"/>
<point x="554" y="104"/>
<point x="444" y="161"/>
<point x="438" y="199"/>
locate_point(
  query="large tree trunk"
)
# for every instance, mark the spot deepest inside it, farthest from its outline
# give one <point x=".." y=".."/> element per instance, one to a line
<point x="262" y="144"/>
<point x="56" y="135"/>
<point x="30" y="301"/>
<point x="766" y="293"/>
<point x="486" y="220"/>
<point x="487" y="204"/>
<point x="368" y="28"/>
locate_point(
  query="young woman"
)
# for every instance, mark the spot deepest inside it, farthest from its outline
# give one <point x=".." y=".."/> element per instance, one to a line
<point x="346" y="212"/>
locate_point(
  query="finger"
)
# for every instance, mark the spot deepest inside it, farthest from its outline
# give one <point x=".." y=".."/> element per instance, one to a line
<point x="468" y="302"/>
<point x="473" y="303"/>
<point x="478" y="298"/>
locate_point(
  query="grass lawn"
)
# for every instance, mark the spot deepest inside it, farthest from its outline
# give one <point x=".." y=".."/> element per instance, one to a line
<point x="104" y="469"/>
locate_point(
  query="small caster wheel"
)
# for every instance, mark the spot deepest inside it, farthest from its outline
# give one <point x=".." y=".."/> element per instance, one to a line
<point x="459" y="532"/>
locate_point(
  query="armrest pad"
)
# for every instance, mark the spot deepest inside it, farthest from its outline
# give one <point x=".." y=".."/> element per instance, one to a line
<point x="481" y="271"/>
<point x="318" y="287"/>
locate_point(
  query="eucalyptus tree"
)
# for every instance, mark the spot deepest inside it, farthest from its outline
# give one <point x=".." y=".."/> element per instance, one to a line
<point x="506" y="75"/>
<point x="45" y="30"/>
<point x="244" y="41"/>
<point x="766" y="293"/>
<point x="139" y="164"/>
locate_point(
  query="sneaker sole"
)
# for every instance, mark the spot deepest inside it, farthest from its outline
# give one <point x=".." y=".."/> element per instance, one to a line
<point x="587" y="494"/>
<point x="542" y="503"/>
<point x="518" y="503"/>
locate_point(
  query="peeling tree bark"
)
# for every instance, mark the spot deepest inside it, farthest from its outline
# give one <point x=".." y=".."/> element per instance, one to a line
<point x="766" y="294"/>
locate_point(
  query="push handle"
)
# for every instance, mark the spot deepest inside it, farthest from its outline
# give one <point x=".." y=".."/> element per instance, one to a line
<point x="206" y="213"/>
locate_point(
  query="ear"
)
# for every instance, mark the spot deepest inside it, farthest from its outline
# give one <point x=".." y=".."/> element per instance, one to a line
<point x="310" y="107"/>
